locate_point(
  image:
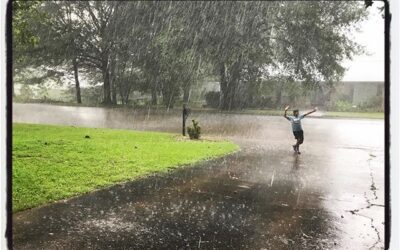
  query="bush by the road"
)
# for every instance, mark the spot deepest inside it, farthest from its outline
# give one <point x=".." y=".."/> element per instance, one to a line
<point x="195" y="131"/>
<point x="344" y="106"/>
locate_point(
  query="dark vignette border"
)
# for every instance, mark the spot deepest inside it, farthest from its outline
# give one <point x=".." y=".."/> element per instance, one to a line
<point x="9" y="122"/>
<point x="388" y="18"/>
<point x="387" y="21"/>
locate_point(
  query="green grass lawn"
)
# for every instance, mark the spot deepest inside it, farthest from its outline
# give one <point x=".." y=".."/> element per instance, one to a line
<point x="366" y="115"/>
<point x="56" y="162"/>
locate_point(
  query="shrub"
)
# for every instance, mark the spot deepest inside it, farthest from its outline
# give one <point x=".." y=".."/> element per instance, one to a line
<point x="212" y="99"/>
<point x="344" y="106"/>
<point x="373" y="104"/>
<point x="194" y="132"/>
<point x="26" y="93"/>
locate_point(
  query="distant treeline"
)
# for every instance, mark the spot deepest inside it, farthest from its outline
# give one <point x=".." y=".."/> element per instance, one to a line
<point x="160" y="48"/>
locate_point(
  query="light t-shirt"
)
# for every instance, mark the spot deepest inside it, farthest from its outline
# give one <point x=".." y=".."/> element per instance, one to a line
<point x="296" y="122"/>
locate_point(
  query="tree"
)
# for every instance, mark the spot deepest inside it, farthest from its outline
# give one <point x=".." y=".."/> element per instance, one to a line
<point x="63" y="45"/>
<point x="305" y="40"/>
<point x="162" y="47"/>
<point x="24" y="39"/>
<point x="80" y="34"/>
<point x="55" y="40"/>
<point x="312" y="48"/>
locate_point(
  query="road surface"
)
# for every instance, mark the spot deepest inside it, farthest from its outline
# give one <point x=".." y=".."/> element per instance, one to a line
<point x="263" y="197"/>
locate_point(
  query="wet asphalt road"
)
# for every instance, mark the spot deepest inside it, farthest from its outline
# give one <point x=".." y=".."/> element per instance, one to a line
<point x="263" y="197"/>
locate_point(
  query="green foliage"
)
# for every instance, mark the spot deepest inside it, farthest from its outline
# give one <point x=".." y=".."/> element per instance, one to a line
<point x="212" y="99"/>
<point x="24" y="12"/>
<point x="43" y="92"/>
<point x="56" y="162"/>
<point x="374" y="103"/>
<point x="344" y="106"/>
<point x="170" y="45"/>
<point x="195" y="131"/>
<point x="26" y="93"/>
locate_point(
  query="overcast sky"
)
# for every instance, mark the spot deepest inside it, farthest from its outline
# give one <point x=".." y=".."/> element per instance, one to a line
<point x="369" y="67"/>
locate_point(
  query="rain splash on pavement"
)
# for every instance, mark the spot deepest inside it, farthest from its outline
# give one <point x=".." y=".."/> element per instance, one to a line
<point x="263" y="197"/>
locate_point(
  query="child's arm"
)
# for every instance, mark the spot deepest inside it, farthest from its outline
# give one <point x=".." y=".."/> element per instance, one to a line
<point x="285" y="115"/>
<point x="312" y="111"/>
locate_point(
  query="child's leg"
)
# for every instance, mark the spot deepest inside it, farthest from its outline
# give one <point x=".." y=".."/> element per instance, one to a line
<point x="299" y="142"/>
<point x="297" y="145"/>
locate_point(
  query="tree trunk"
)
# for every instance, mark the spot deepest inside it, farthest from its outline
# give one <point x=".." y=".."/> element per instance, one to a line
<point x="233" y="83"/>
<point x="168" y="94"/>
<point x="121" y="94"/>
<point x="112" y="82"/>
<point x="154" y="93"/>
<point x="232" y="89"/>
<point x="278" y="101"/>
<point x="124" y="93"/>
<point x="223" y="87"/>
<point x="186" y="93"/>
<point x="127" y="98"/>
<point x="165" y="97"/>
<point x="229" y="86"/>
<point x="113" y="93"/>
<point x="77" y="85"/>
<point x="153" y="97"/>
<point x="106" y="85"/>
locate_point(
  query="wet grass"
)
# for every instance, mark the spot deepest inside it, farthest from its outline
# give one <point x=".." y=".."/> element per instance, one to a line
<point x="364" y="115"/>
<point x="51" y="163"/>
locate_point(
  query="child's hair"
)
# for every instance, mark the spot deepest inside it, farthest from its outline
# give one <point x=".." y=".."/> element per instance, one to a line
<point x="295" y="110"/>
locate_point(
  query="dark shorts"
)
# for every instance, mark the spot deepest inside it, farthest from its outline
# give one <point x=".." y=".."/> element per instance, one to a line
<point x="299" y="135"/>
